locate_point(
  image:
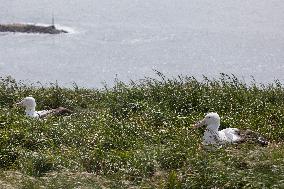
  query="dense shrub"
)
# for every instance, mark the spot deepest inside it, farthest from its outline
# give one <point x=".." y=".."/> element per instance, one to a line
<point x="140" y="134"/>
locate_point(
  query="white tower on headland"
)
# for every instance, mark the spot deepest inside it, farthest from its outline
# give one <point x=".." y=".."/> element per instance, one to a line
<point x="52" y="21"/>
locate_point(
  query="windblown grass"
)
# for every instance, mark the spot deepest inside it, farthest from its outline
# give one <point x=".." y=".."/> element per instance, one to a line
<point x="139" y="135"/>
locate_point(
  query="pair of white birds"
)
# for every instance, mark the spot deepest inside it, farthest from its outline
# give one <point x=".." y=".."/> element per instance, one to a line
<point x="30" y="104"/>
<point x="212" y="135"/>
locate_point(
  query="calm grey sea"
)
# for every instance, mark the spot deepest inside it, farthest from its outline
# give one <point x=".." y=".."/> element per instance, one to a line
<point x="128" y="39"/>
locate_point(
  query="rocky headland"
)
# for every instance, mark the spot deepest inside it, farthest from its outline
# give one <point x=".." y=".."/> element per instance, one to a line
<point x="30" y="28"/>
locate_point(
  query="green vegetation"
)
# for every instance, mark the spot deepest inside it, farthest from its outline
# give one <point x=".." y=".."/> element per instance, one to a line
<point x="139" y="135"/>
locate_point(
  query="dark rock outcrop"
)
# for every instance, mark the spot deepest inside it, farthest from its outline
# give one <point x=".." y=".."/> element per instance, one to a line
<point x="29" y="28"/>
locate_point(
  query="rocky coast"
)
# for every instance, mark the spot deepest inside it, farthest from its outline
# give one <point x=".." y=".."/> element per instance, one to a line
<point x="30" y="28"/>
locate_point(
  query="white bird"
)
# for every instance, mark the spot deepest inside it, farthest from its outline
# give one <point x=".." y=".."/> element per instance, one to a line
<point x="30" y="104"/>
<point x="212" y="135"/>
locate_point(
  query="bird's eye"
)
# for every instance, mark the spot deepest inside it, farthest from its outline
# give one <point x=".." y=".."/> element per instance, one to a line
<point x="209" y="117"/>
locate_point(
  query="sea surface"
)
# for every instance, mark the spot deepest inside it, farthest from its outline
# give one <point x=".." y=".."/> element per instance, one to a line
<point x="130" y="39"/>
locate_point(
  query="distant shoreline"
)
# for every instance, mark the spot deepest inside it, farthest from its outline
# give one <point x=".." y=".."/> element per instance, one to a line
<point x="30" y="28"/>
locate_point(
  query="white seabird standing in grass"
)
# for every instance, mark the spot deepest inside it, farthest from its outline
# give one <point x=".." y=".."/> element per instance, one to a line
<point x="30" y="104"/>
<point x="212" y="135"/>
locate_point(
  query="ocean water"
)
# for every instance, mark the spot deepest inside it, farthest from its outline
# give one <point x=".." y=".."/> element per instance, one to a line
<point x="129" y="39"/>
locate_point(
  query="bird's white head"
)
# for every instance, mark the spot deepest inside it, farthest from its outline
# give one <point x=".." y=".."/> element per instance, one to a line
<point x="211" y="120"/>
<point x="28" y="102"/>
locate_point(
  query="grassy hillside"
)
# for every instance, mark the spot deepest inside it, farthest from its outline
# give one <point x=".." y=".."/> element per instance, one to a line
<point x="139" y="135"/>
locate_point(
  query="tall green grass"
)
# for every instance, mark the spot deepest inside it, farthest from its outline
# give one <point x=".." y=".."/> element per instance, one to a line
<point x="140" y="135"/>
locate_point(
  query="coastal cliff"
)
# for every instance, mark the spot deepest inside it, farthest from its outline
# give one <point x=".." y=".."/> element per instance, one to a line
<point x="29" y="28"/>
